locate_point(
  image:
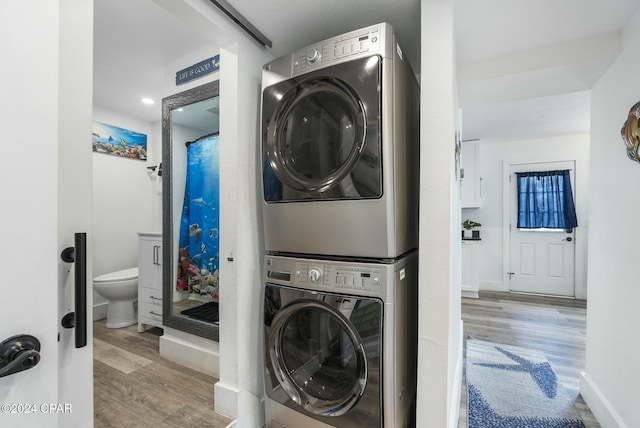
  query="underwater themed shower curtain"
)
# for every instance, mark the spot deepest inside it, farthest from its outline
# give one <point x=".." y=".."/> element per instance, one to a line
<point x="199" y="226"/>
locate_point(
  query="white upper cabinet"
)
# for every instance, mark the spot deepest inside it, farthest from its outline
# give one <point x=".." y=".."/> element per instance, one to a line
<point x="470" y="173"/>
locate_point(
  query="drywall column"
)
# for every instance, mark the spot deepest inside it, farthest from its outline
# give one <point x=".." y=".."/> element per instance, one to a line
<point x="227" y="389"/>
<point x="439" y="319"/>
<point x="611" y="382"/>
<point x="239" y="391"/>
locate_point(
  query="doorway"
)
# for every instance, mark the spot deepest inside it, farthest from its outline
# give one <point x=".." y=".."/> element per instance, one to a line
<point x="128" y="65"/>
<point x="537" y="261"/>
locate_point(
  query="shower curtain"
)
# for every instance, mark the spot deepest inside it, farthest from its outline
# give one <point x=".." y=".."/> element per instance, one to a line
<point x="199" y="226"/>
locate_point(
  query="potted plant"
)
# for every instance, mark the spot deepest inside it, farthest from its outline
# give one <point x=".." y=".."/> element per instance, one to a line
<point x="468" y="231"/>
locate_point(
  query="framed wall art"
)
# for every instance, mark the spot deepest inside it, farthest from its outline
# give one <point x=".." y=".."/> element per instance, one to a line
<point x="111" y="140"/>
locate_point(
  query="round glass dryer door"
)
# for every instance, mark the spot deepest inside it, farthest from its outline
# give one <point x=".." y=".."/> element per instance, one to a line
<point x="321" y="135"/>
<point x="318" y="358"/>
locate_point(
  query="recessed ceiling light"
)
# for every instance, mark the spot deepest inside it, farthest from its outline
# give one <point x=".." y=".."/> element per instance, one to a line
<point x="180" y="109"/>
<point x="147" y="101"/>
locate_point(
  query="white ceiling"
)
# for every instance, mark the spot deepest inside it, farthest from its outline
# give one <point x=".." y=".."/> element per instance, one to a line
<point x="524" y="68"/>
<point x="489" y="29"/>
<point x="133" y="40"/>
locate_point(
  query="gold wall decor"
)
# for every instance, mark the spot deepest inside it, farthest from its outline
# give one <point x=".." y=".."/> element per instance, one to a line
<point x="631" y="132"/>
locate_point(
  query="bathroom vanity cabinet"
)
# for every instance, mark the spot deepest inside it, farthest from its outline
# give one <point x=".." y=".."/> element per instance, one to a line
<point x="149" y="280"/>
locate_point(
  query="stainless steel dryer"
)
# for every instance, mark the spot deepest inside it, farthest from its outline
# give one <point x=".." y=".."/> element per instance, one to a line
<point x="340" y="342"/>
<point x="340" y="148"/>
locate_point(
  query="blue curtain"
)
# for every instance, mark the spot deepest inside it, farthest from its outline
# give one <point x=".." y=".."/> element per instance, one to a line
<point x="545" y="200"/>
<point x="199" y="226"/>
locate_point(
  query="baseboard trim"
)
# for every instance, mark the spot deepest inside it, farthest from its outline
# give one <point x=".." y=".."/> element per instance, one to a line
<point x="598" y="403"/>
<point x="99" y="311"/>
<point x="470" y="293"/>
<point x="246" y="408"/>
<point x="194" y="352"/>
<point x="454" y="406"/>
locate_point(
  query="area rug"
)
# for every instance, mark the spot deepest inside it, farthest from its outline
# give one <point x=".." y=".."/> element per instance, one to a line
<point x="514" y="387"/>
<point x="207" y="312"/>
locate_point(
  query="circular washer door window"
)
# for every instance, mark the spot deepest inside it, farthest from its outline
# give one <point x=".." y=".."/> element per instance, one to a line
<point x="318" y="358"/>
<point x="316" y="134"/>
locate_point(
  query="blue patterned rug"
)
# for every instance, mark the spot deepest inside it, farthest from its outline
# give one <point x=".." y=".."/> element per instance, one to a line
<point x="513" y="387"/>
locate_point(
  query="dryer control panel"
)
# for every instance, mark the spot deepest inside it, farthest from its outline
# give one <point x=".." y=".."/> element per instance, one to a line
<point x="338" y="276"/>
<point x="365" y="41"/>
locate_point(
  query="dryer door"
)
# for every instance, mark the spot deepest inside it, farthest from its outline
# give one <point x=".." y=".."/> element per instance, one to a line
<point x="318" y="355"/>
<point x="321" y="134"/>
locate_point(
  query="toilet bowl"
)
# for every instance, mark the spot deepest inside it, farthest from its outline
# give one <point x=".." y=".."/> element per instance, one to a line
<point x="121" y="290"/>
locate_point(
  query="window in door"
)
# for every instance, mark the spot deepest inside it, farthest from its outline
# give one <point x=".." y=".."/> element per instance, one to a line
<point x="545" y="200"/>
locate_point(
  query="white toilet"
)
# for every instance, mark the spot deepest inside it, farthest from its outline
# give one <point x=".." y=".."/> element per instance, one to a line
<point x="121" y="290"/>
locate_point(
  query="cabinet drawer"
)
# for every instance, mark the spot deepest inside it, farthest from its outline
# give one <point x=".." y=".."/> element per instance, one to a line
<point x="149" y="295"/>
<point x="149" y="310"/>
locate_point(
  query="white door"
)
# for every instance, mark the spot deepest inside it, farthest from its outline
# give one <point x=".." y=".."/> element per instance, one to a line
<point x="541" y="260"/>
<point x="45" y="185"/>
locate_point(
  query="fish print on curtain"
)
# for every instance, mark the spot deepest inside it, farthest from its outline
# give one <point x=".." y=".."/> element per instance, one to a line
<point x="199" y="227"/>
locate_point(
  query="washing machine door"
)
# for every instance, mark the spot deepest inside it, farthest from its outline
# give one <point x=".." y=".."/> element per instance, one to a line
<point x="318" y="355"/>
<point x="321" y="134"/>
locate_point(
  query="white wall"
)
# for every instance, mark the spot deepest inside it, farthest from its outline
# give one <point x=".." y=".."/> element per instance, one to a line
<point x="122" y="199"/>
<point x="493" y="152"/>
<point x="154" y="157"/>
<point x="611" y="383"/>
<point x="439" y="319"/>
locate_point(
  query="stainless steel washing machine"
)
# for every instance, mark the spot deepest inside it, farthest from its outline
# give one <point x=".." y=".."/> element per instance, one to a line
<point x="340" y="341"/>
<point x="340" y="148"/>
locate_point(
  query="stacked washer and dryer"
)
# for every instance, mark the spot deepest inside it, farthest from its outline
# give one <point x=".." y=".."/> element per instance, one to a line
<point x="340" y="184"/>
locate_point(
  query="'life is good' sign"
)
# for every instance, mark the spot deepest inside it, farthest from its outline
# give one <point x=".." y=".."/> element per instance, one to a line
<point x="198" y="70"/>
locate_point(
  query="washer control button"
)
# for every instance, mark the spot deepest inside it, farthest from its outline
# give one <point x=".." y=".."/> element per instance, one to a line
<point x="313" y="56"/>
<point x="315" y="275"/>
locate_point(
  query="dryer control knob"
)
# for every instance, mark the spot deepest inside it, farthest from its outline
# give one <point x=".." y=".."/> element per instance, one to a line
<point x="315" y="275"/>
<point x="313" y="56"/>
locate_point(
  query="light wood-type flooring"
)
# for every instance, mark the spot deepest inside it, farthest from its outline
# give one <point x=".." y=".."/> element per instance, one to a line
<point x="555" y="326"/>
<point x="135" y="387"/>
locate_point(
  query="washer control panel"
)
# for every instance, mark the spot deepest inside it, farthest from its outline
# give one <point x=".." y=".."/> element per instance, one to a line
<point x="367" y="40"/>
<point x="338" y="276"/>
